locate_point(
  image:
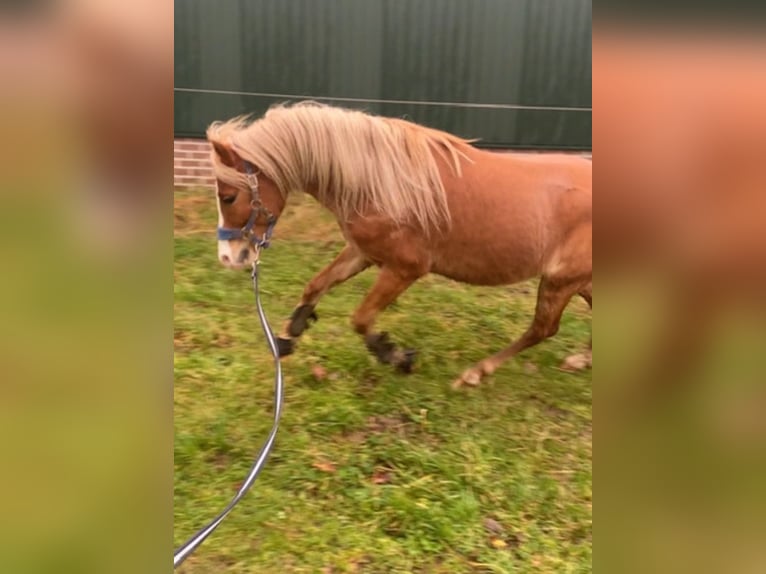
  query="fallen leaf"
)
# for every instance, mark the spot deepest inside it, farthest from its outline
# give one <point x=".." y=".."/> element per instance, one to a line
<point x="324" y="466"/>
<point x="384" y="423"/>
<point x="381" y="476"/>
<point x="493" y="525"/>
<point x="498" y="543"/>
<point x="319" y="372"/>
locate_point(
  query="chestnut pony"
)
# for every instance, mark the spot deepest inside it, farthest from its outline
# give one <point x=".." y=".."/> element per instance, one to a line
<point x="410" y="200"/>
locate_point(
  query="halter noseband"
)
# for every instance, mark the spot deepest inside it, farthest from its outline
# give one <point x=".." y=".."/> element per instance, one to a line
<point x="256" y="208"/>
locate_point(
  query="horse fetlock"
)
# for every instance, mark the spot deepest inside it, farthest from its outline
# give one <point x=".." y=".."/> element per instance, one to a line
<point x="301" y="319"/>
<point x="488" y="366"/>
<point x="470" y="377"/>
<point x="381" y="346"/>
<point x="285" y="346"/>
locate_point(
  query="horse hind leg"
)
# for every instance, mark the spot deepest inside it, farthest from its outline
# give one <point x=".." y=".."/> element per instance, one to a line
<point x="583" y="360"/>
<point x="552" y="298"/>
<point x="348" y="263"/>
<point x="390" y="284"/>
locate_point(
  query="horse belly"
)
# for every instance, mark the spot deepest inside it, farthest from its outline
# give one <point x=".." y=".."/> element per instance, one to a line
<point x="486" y="265"/>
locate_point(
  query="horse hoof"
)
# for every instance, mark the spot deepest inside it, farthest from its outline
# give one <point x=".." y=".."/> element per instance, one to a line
<point x="577" y="362"/>
<point x="470" y="377"/>
<point x="285" y="346"/>
<point x="407" y="361"/>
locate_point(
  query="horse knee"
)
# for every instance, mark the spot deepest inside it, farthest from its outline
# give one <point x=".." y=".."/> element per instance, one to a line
<point x="540" y="332"/>
<point x="551" y="330"/>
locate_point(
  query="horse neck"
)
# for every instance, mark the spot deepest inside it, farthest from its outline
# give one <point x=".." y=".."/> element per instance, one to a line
<point x="326" y="199"/>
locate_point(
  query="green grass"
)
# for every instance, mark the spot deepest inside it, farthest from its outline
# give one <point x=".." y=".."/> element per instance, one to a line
<point x="372" y="472"/>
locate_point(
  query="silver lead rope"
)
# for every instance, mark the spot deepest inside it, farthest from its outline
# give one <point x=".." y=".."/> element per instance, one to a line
<point x="191" y="545"/>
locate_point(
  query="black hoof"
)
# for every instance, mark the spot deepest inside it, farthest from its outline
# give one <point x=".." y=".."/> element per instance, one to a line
<point x="406" y="363"/>
<point x="300" y="320"/>
<point x="285" y="346"/>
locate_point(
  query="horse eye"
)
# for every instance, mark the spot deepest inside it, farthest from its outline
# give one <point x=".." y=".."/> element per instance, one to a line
<point x="229" y="199"/>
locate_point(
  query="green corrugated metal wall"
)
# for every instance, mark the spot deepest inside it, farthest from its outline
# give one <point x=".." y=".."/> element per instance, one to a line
<point x="515" y="73"/>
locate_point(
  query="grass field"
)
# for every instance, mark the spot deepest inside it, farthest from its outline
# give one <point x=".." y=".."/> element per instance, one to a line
<point x="372" y="472"/>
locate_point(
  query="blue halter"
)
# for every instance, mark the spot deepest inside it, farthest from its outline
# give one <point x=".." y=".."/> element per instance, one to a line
<point x="256" y="208"/>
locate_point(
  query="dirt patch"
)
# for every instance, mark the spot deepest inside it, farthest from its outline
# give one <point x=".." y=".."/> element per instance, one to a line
<point x="182" y="339"/>
<point x="355" y="437"/>
<point x="383" y="424"/>
<point x="548" y="409"/>
<point x="377" y="424"/>
<point x="221" y="339"/>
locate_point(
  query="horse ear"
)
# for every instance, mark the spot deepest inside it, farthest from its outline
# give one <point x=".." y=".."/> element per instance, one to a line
<point x="227" y="155"/>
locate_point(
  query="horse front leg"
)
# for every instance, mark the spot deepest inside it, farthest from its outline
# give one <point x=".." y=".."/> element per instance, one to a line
<point x="348" y="263"/>
<point x="390" y="284"/>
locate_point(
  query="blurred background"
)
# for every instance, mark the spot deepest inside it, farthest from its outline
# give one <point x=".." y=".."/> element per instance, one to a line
<point x="514" y="74"/>
<point x="86" y="291"/>
<point x="680" y="187"/>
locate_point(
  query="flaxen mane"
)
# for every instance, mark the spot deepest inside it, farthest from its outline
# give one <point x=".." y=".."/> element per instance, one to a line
<point x="356" y="161"/>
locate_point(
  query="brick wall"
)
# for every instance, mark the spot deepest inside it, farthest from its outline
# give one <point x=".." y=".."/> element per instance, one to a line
<point x="191" y="163"/>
